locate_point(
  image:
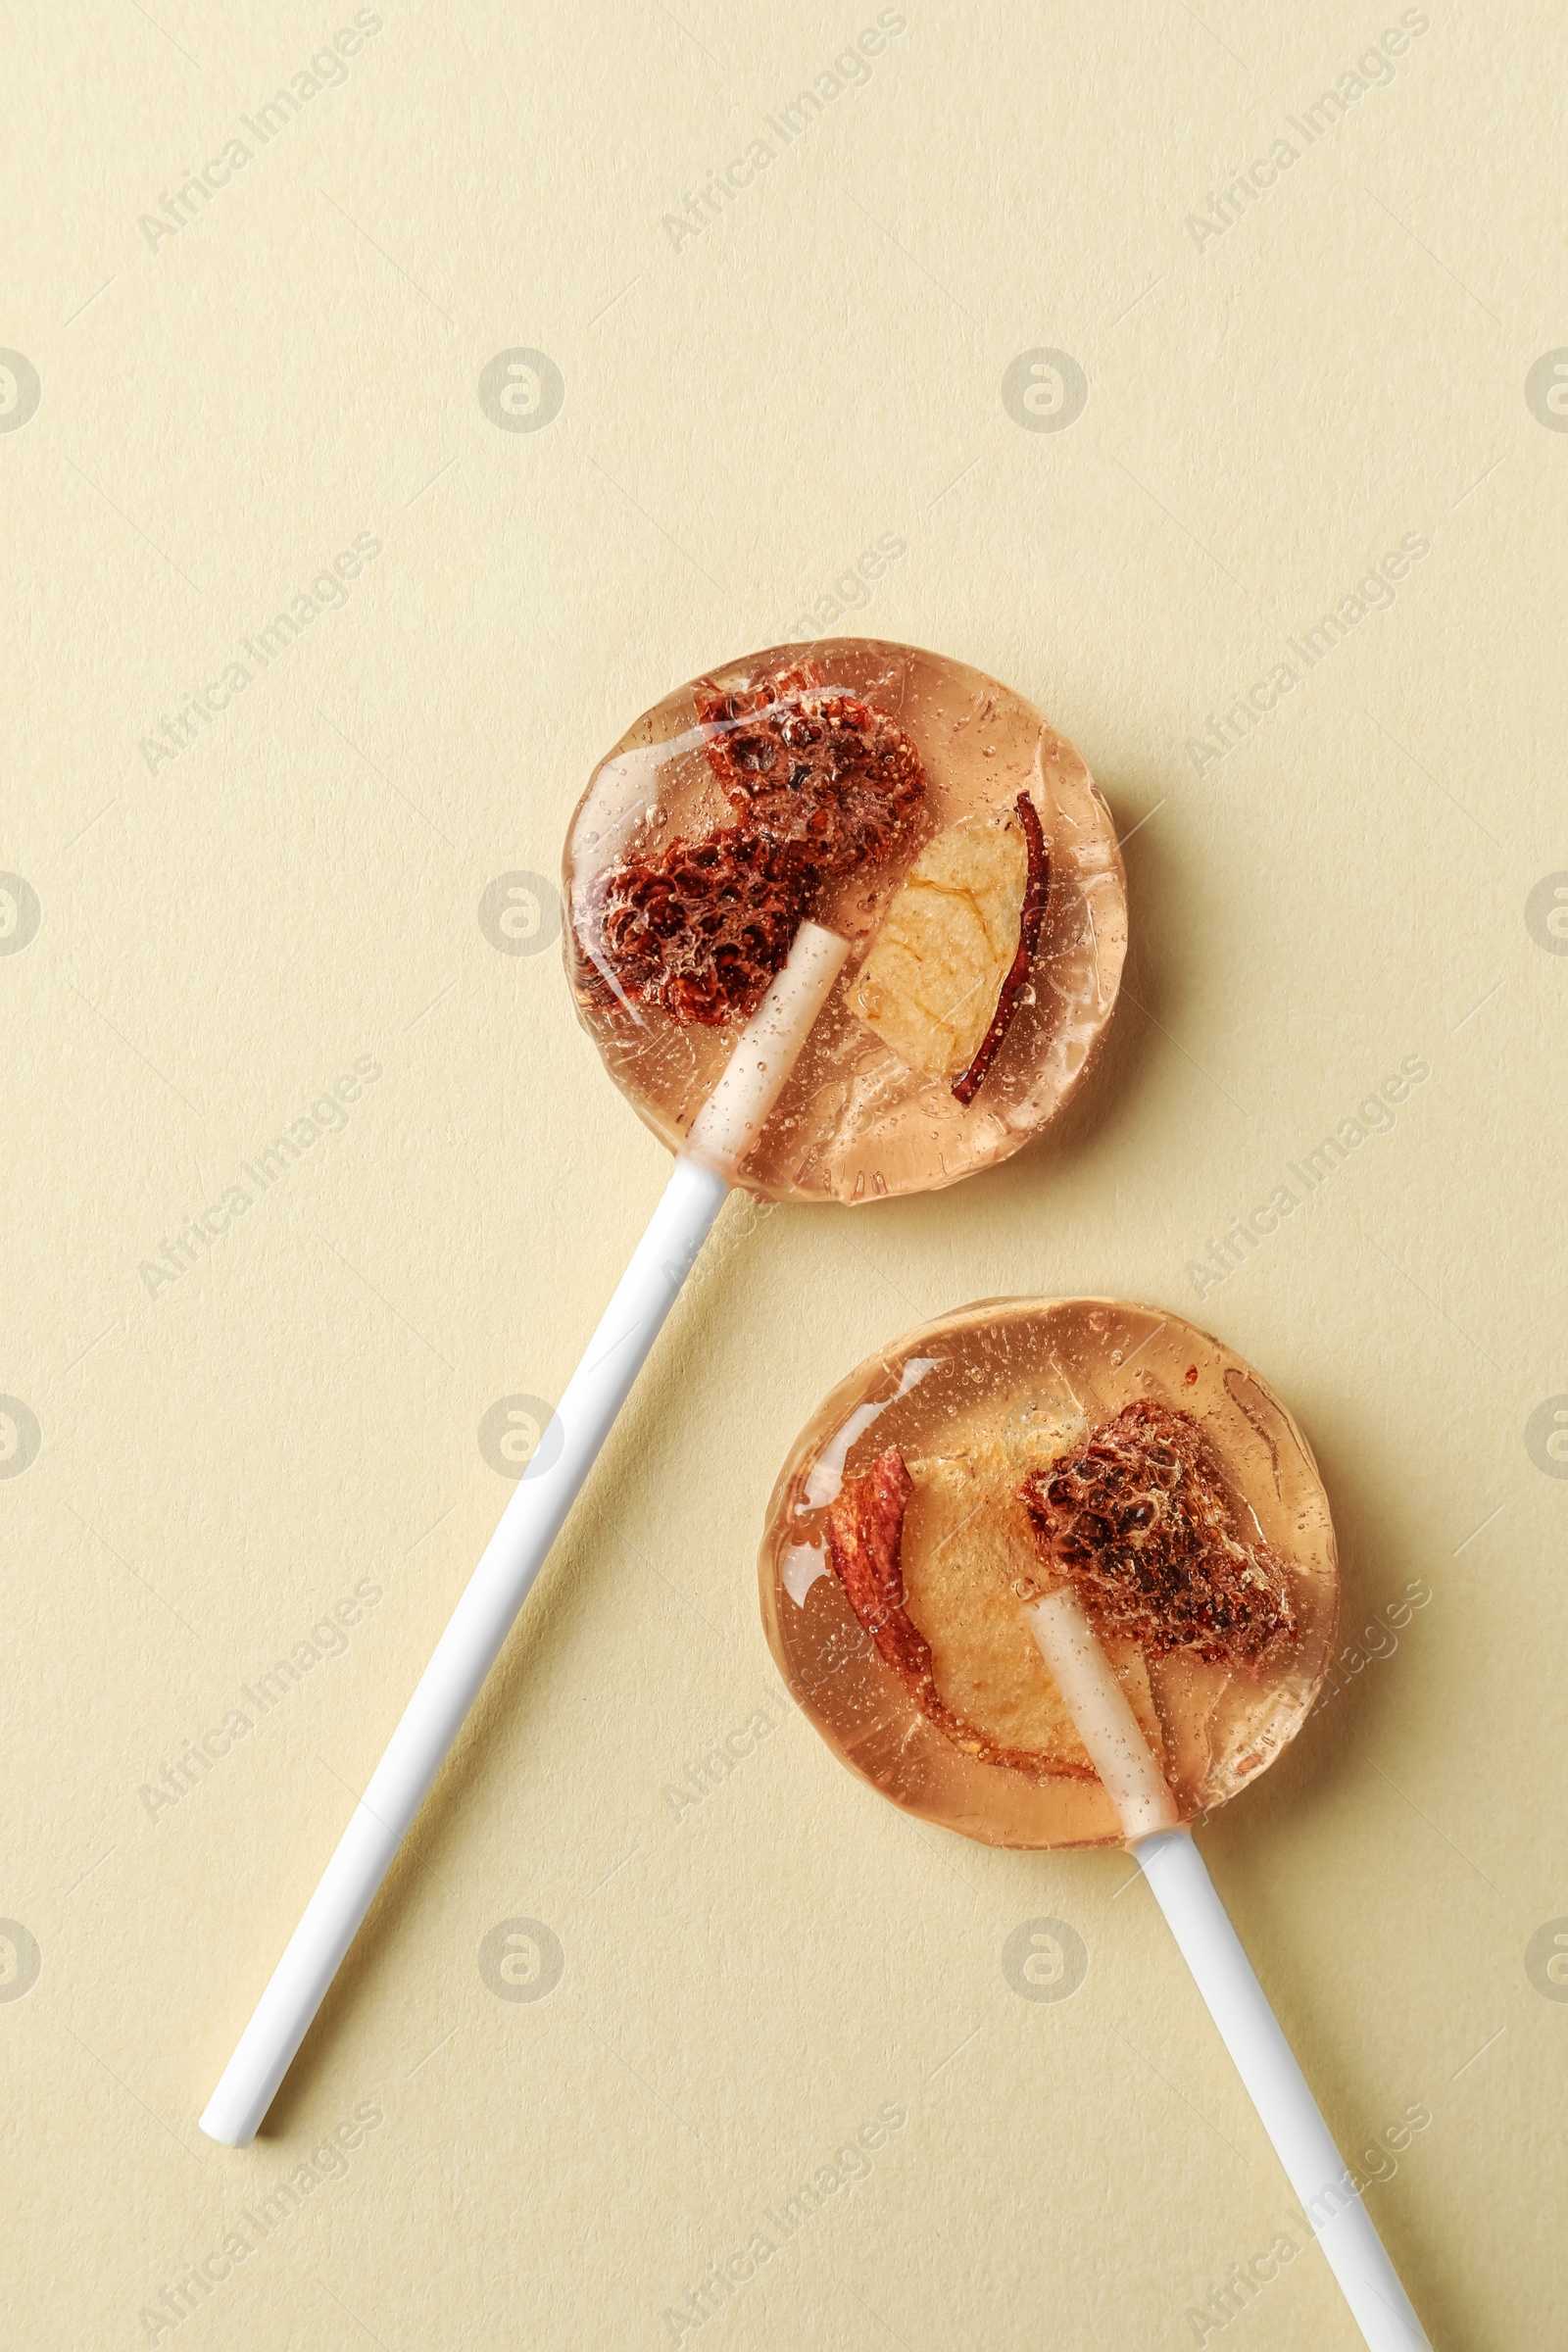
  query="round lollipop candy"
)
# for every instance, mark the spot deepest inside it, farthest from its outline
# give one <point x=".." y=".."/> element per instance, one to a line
<point x="920" y="812"/>
<point x="1061" y="1573"/>
<point x="844" y="920"/>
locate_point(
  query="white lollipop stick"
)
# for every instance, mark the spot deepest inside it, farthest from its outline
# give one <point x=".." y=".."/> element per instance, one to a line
<point x="1184" y="1891"/>
<point x="724" y="1130"/>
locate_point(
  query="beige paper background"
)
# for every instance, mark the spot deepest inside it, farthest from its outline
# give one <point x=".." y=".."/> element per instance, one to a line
<point x="222" y="932"/>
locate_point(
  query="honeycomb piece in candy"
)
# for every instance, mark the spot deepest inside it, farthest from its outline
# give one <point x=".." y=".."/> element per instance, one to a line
<point x="1139" y="1522"/>
<point x="701" y="927"/>
<point x="825" y="772"/>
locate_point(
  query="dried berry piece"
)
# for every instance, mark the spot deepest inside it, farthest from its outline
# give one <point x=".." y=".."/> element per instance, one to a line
<point x="949" y="945"/>
<point x="1031" y="914"/>
<point x="824" y="771"/>
<point x="865" y="1539"/>
<point x="1140" y="1523"/>
<point x="700" y="928"/>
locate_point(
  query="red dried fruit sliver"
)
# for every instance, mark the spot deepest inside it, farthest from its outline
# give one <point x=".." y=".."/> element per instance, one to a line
<point x="864" y="1541"/>
<point x="1036" y="891"/>
<point x="866" y="1534"/>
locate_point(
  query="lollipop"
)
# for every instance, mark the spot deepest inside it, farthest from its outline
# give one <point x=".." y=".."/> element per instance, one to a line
<point x="845" y="922"/>
<point x="920" y="813"/>
<point x="1061" y="1573"/>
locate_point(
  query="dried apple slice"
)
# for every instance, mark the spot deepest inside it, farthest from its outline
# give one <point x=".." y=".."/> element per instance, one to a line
<point x="967" y="1544"/>
<point x="976" y="1675"/>
<point x="944" y="975"/>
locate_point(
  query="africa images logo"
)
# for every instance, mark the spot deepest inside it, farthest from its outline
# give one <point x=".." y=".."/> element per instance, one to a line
<point x="19" y="1437"/>
<point x="1546" y="1437"/>
<point x="517" y="1433"/>
<point x="850" y="70"/>
<point x="520" y="913"/>
<point x="521" y="1960"/>
<point x="522" y="390"/>
<point x="20" y="1960"/>
<point x="328" y="592"/>
<point x="1545" y="390"/>
<point x="21" y="913"/>
<point x="1045" y="1960"/>
<point x="1045" y="390"/>
<point x="19" y="391"/>
<point x="327" y="69"/>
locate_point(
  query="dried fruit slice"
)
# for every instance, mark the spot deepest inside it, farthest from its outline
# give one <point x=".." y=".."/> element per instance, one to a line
<point x="1139" y="1520"/>
<point x="966" y="1541"/>
<point x="828" y="774"/>
<point x="1030" y="916"/>
<point x="947" y="966"/>
<point x="978" y="1677"/>
<point x="864" y="1534"/>
<point x="700" y="928"/>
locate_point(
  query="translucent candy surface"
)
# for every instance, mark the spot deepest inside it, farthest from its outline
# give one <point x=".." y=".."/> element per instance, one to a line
<point x="1197" y="1532"/>
<point x="809" y="780"/>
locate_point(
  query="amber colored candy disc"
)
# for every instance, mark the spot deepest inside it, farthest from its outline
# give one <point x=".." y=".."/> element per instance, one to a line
<point x="955" y="1716"/>
<point x="704" y="840"/>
